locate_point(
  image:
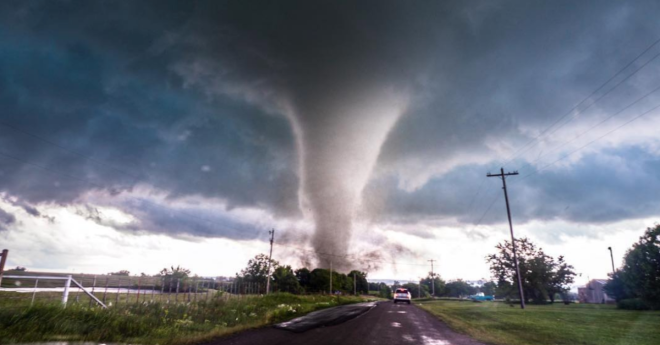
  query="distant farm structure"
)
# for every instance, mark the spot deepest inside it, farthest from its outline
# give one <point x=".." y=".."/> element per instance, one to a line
<point x="593" y="292"/>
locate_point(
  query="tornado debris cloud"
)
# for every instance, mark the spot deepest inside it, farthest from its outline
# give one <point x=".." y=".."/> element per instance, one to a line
<point x="340" y="135"/>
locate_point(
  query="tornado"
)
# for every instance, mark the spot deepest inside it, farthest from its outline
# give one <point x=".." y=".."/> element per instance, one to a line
<point x="340" y="131"/>
<point x="342" y="72"/>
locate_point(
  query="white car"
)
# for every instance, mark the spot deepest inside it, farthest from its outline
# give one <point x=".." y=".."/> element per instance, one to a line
<point x="402" y="295"/>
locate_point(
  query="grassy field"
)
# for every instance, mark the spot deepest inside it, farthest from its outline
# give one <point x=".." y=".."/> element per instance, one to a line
<point x="558" y="324"/>
<point x="152" y="322"/>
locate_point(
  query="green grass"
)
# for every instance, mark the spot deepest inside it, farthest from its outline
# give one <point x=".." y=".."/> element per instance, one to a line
<point x="153" y="322"/>
<point x="557" y="324"/>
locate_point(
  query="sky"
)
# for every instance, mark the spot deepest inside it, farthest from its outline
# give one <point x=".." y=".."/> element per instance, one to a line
<point x="140" y="135"/>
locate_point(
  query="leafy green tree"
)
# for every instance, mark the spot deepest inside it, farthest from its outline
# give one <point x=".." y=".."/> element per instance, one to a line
<point x="504" y="289"/>
<point x="384" y="291"/>
<point x="374" y="287"/>
<point x="173" y="276"/>
<point x="120" y="273"/>
<point x="257" y="270"/>
<point x="488" y="288"/>
<point x="434" y="280"/>
<point x="319" y="280"/>
<point x="640" y="275"/>
<point x="542" y="275"/>
<point x="361" y="281"/>
<point x="414" y="290"/>
<point x="459" y="288"/>
<point x="285" y="281"/>
<point x="619" y="287"/>
<point x="304" y="277"/>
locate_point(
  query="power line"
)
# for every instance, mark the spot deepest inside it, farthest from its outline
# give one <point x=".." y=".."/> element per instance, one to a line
<point x="524" y="149"/>
<point x="595" y="126"/>
<point x="591" y="142"/>
<point x="483" y="215"/>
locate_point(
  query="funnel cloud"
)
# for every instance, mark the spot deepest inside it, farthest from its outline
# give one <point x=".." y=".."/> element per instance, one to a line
<point x="339" y="146"/>
<point x="342" y="87"/>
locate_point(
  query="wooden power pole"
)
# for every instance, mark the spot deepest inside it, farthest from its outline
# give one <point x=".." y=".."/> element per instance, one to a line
<point x="611" y="257"/>
<point x="270" y="256"/>
<point x="3" y="260"/>
<point x="432" y="279"/>
<point x="513" y="239"/>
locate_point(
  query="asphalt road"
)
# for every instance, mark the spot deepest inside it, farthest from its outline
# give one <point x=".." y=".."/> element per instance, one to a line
<point x="385" y="324"/>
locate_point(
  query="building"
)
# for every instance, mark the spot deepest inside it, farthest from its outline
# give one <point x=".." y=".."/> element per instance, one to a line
<point x="593" y="292"/>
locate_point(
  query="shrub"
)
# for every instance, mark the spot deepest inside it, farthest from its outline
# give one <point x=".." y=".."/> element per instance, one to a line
<point x="634" y="304"/>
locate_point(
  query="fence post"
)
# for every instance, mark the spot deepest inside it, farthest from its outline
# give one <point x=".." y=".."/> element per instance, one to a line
<point x="65" y="294"/>
<point x="169" y="291"/>
<point x="3" y="260"/>
<point x="176" y="294"/>
<point x="93" y="288"/>
<point x="36" y="283"/>
<point x="118" y="291"/>
<point x="138" y="294"/>
<point x="105" y="292"/>
<point x="128" y="291"/>
<point x="189" y="290"/>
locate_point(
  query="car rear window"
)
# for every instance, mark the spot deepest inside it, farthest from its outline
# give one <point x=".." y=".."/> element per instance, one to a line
<point x="401" y="291"/>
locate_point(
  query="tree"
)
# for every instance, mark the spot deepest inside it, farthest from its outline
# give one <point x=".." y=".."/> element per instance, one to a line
<point x="374" y="287"/>
<point x="640" y="275"/>
<point x="120" y="273"/>
<point x="433" y="280"/>
<point x="459" y="288"/>
<point x="304" y="277"/>
<point x="285" y="281"/>
<point x="488" y="288"/>
<point x="361" y="277"/>
<point x="542" y="275"/>
<point x="173" y="276"/>
<point x="257" y="270"/>
<point x="414" y="290"/>
<point x="319" y="280"/>
<point x="384" y="291"/>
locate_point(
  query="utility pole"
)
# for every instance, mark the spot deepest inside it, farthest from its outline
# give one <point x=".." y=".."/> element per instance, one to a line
<point x="419" y="291"/>
<point x="3" y="260"/>
<point x="270" y="256"/>
<point x="354" y="285"/>
<point x="612" y="257"/>
<point x="330" y="277"/>
<point x="432" y="279"/>
<point x="513" y="240"/>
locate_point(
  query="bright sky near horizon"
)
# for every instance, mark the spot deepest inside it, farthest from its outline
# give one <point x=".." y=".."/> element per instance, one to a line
<point x="140" y="135"/>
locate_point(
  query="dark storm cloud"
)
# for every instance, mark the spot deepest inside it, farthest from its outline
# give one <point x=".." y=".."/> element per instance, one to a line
<point x="591" y="191"/>
<point x="87" y="104"/>
<point x="516" y="64"/>
<point x="6" y="219"/>
<point x="176" y="221"/>
<point x="187" y="97"/>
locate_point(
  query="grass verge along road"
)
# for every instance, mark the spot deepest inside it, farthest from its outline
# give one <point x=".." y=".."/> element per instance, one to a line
<point x="155" y="322"/>
<point x="499" y="323"/>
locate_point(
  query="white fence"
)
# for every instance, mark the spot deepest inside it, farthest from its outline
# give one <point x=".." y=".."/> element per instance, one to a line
<point x="67" y="286"/>
<point x="109" y="290"/>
